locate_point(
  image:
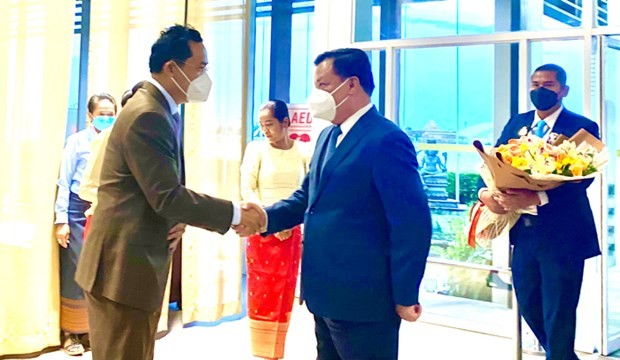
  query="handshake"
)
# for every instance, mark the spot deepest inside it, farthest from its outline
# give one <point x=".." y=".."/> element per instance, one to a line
<point x="253" y="220"/>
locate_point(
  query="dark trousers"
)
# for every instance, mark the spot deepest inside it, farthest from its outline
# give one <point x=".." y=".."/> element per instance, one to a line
<point x="548" y="291"/>
<point x="351" y="340"/>
<point x="120" y="332"/>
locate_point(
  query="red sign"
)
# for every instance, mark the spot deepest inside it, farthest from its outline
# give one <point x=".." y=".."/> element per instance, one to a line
<point x="301" y="122"/>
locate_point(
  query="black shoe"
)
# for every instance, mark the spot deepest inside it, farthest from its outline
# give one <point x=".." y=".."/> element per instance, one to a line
<point x="85" y="341"/>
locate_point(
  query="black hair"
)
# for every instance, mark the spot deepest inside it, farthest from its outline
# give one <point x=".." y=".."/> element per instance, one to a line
<point x="173" y="44"/>
<point x="129" y="93"/>
<point x="560" y="74"/>
<point x="350" y="62"/>
<point x="278" y="107"/>
<point x="95" y="99"/>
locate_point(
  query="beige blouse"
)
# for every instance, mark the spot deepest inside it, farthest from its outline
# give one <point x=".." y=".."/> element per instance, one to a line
<point x="269" y="174"/>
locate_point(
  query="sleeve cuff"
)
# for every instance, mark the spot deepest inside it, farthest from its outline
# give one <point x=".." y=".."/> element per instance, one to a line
<point x="236" y="217"/>
<point x="480" y="191"/>
<point x="543" y="197"/>
<point x="61" y="218"/>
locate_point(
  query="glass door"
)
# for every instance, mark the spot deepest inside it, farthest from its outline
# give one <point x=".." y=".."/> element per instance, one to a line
<point x="610" y="110"/>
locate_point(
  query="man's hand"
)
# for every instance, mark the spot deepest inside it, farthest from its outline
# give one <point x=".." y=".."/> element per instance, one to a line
<point x="62" y="234"/>
<point x="487" y="197"/>
<point x="516" y="199"/>
<point x="283" y="235"/>
<point x="174" y="236"/>
<point x="409" y="313"/>
<point x="253" y="220"/>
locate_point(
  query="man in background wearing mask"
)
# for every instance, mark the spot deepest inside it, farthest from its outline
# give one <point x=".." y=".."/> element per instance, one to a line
<point x="550" y="247"/>
<point x="143" y="204"/>
<point x="367" y="220"/>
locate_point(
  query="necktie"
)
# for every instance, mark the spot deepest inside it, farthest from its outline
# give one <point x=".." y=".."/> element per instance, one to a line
<point x="331" y="145"/>
<point x="178" y="122"/>
<point x="541" y="128"/>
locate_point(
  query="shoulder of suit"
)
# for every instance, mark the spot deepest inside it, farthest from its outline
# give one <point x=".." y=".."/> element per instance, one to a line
<point x="575" y="116"/>
<point x="144" y="101"/>
<point x="382" y="123"/>
<point x="527" y="114"/>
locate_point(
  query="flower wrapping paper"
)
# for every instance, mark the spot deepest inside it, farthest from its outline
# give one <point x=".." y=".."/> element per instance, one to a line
<point x="498" y="175"/>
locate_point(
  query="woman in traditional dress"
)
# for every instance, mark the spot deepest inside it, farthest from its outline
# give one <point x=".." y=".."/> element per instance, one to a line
<point x="70" y="221"/>
<point x="272" y="170"/>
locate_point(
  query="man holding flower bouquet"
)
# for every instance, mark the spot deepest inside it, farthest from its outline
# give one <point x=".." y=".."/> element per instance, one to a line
<point x="549" y="248"/>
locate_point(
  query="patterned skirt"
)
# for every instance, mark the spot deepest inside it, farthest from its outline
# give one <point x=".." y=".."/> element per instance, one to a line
<point x="73" y="315"/>
<point x="273" y="266"/>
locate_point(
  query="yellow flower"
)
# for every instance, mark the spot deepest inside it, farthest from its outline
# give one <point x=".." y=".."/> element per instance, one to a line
<point x="534" y="155"/>
<point x="519" y="162"/>
<point x="577" y="170"/>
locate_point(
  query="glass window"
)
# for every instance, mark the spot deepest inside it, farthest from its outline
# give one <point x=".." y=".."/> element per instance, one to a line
<point x="377" y="63"/>
<point x="559" y="14"/>
<point x="261" y="69"/>
<point x="74" y="123"/>
<point x="73" y="120"/>
<point x="569" y="55"/>
<point x="607" y="12"/>
<point x="611" y="113"/>
<point x="414" y="19"/>
<point x="447" y="98"/>
<point x="301" y="60"/>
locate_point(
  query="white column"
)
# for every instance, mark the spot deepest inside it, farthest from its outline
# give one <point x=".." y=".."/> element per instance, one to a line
<point x="333" y="24"/>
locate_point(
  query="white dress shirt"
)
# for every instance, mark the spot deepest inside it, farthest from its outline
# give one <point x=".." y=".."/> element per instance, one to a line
<point x="348" y="124"/>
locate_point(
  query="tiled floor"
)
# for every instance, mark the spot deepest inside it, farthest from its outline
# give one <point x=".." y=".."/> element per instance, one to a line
<point x="419" y="341"/>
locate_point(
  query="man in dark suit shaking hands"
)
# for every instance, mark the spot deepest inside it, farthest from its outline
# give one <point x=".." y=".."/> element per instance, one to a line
<point x="550" y="247"/>
<point x="367" y="221"/>
<point x="143" y="205"/>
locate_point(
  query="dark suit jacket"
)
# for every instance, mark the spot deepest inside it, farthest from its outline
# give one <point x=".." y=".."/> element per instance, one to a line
<point x="367" y="224"/>
<point x="565" y="227"/>
<point x="141" y="196"/>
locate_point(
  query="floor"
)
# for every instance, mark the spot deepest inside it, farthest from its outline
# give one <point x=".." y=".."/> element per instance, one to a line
<point x="230" y="340"/>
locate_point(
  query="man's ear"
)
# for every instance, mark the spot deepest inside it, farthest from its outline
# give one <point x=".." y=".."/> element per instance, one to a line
<point x="564" y="92"/>
<point x="354" y="83"/>
<point x="286" y="122"/>
<point x="169" y="68"/>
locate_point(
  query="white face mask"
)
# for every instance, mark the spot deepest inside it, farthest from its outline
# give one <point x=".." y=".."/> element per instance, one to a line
<point x="198" y="89"/>
<point x="322" y="104"/>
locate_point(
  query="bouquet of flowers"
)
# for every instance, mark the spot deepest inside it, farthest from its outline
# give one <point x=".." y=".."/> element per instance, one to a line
<point x="530" y="162"/>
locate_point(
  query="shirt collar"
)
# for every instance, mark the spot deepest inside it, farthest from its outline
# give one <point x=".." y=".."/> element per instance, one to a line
<point x="174" y="108"/>
<point x="347" y="125"/>
<point x="550" y="120"/>
<point x="91" y="132"/>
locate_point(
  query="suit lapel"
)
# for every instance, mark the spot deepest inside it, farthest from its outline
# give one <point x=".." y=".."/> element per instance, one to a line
<point x="349" y="142"/>
<point x="526" y="122"/>
<point x="562" y="124"/>
<point x="161" y="99"/>
<point x="316" y="164"/>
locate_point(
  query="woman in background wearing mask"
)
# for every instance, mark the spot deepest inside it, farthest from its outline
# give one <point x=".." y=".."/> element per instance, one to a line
<point x="90" y="180"/>
<point x="272" y="170"/>
<point x="70" y="221"/>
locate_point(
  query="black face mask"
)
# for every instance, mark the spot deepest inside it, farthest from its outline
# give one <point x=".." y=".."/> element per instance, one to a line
<point x="543" y="98"/>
